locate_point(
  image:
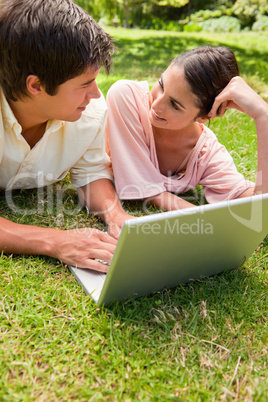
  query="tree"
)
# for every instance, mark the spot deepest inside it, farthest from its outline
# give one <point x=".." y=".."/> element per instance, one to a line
<point x="171" y="3"/>
<point x="248" y="10"/>
<point x="127" y="6"/>
<point x="143" y="12"/>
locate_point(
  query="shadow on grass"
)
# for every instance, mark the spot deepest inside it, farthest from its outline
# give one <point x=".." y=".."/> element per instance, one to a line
<point x="234" y="298"/>
<point x="146" y="58"/>
<point x="226" y="305"/>
<point x="231" y="295"/>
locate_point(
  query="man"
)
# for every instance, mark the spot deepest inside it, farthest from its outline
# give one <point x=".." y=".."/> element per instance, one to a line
<point x="52" y="118"/>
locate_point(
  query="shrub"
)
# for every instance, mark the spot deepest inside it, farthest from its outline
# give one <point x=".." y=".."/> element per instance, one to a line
<point x="192" y="27"/>
<point x="173" y="26"/>
<point x="261" y="23"/>
<point x="159" y="24"/>
<point x="222" y="24"/>
<point x="202" y="15"/>
<point x="248" y="10"/>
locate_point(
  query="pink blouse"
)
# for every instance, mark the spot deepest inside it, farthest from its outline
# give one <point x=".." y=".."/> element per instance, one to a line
<point x="130" y="143"/>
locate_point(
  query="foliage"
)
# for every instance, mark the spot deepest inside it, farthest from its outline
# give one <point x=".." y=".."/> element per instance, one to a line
<point x="222" y="24"/>
<point x="261" y="24"/>
<point x="173" y="14"/>
<point x="203" y="15"/>
<point x="248" y="10"/>
<point x="159" y="24"/>
<point x="92" y="8"/>
<point x="192" y="27"/>
<point x="171" y="3"/>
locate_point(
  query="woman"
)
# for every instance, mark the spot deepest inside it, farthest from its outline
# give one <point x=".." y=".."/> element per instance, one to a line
<point x="158" y="142"/>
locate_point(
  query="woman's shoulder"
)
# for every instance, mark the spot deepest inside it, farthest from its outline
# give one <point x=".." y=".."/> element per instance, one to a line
<point x="209" y="146"/>
<point x="208" y="139"/>
<point x="209" y="134"/>
<point x="125" y="88"/>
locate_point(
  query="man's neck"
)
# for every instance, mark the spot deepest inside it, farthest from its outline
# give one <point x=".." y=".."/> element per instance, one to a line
<point x="33" y="127"/>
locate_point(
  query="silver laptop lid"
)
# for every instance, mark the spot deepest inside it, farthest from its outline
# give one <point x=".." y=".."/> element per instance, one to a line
<point x="162" y="250"/>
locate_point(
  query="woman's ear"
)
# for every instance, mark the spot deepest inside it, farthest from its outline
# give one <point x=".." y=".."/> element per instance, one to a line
<point x="202" y="119"/>
<point x="33" y="85"/>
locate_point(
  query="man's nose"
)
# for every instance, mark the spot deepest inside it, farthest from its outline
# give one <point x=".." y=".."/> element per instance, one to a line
<point x="94" y="92"/>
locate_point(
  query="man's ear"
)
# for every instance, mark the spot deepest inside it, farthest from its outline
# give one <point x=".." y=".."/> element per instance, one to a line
<point x="33" y="85"/>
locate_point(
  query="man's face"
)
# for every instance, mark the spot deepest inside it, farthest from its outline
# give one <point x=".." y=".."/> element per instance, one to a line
<point x="72" y="97"/>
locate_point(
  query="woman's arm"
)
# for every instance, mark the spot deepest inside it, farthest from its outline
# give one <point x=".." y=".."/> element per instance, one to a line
<point x="238" y="95"/>
<point x="168" y="201"/>
<point x="100" y="198"/>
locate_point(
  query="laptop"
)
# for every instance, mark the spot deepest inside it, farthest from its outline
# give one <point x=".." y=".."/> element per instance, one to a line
<point x="166" y="249"/>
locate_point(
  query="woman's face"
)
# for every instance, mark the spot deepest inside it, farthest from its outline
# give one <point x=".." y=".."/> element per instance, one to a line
<point x="173" y="105"/>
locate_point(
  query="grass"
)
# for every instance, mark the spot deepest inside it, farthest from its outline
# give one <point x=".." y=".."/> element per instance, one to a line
<point x="203" y="341"/>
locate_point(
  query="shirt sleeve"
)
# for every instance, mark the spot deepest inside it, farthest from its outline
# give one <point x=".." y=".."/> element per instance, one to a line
<point x="218" y="174"/>
<point x="135" y="175"/>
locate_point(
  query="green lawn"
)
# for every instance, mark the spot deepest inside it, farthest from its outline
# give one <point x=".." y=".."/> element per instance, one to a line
<point x="203" y="341"/>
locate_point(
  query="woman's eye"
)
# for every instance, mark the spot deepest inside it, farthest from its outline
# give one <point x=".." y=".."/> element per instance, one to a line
<point x="174" y="105"/>
<point x="160" y="82"/>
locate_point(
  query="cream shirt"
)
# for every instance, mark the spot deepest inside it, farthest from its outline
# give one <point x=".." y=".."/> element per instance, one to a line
<point x="75" y="147"/>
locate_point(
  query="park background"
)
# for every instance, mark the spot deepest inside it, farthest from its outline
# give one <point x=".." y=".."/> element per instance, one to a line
<point x="203" y="341"/>
<point x="181" y="15"/>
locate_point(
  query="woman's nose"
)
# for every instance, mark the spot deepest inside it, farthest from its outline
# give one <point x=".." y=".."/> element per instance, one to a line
<point x="158" y="101"/>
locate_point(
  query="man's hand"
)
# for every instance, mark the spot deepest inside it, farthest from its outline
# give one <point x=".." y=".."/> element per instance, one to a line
<point x="84" y="247"/>
<point x="78" y="247"/>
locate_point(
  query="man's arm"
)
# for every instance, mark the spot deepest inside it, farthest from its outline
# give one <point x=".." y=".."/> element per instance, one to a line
<point x="100" y="198"/>
<point x="78" y="247"/>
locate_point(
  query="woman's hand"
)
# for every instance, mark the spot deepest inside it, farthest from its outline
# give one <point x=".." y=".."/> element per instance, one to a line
<point x="239" y="95"/>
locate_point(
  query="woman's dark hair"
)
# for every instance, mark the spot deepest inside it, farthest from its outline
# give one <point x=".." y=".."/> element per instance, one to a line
<point x="55" y="40"/>
<point x="207" y="70"/>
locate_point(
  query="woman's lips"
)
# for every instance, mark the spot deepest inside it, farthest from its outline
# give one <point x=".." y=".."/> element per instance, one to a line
<point x="156" y="117"/>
